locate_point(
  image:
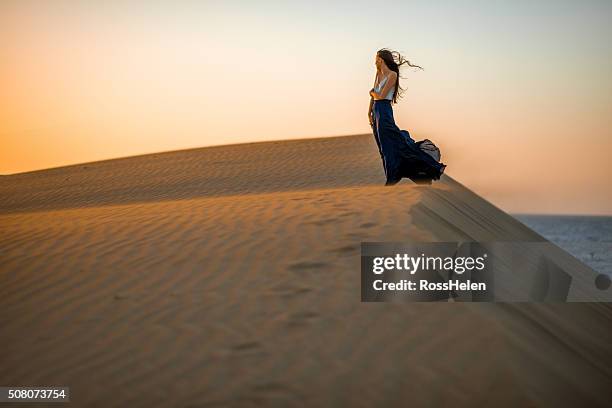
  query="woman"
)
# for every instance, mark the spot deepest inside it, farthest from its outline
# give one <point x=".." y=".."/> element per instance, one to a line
<point x="401" y="157"/>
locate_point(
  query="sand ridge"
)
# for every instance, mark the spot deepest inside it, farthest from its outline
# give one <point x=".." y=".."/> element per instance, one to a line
<point x="184" y="279"/>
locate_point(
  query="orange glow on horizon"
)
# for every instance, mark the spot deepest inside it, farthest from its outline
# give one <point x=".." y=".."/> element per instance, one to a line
<point x="522" y="116"/>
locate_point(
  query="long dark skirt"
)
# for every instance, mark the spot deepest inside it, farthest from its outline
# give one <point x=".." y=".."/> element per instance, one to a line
<point x="401" y="157"/>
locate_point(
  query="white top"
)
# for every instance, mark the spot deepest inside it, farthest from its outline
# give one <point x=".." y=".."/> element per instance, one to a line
<point x="381" y="85"/>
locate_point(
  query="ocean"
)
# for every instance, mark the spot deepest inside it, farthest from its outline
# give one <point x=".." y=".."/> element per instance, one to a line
<point x="588" y="238"/>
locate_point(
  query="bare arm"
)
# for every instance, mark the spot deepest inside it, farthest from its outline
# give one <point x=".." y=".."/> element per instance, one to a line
<point x="372" y="100"/>
<point x="391" y="78"/>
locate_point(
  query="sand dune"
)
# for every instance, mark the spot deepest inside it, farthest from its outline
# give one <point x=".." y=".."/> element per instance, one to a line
<point x="229" y="276"/>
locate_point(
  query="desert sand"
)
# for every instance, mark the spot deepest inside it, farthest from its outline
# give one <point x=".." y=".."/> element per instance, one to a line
<point x="229" y="276"/>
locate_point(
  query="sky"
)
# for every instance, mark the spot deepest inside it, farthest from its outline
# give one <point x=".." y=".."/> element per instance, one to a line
<point x="517" y="94"/>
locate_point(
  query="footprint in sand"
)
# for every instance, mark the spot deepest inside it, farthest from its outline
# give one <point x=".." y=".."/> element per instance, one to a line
<point x="301" y="319"/>
<point x="290" y="291"/>
<point x="324" y="221"/>
<point x="307" y="265"/>
<point x="246" y="346"/>
<point x="345" y="249"/>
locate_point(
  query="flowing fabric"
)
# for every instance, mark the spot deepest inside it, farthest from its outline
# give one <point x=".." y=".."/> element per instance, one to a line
<point x="400" y="155"/>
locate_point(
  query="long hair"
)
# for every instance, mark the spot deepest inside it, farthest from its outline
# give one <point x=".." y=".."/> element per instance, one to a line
<point x="394" y="60"/>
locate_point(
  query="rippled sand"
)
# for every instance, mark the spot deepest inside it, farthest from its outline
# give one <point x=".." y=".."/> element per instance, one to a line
<point x="229" y="276"/>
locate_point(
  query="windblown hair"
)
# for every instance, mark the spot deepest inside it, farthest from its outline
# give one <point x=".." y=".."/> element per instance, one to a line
<point x="394" y="60"/>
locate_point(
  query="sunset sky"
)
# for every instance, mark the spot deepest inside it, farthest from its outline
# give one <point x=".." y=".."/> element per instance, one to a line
<point x="518" y="94"/>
